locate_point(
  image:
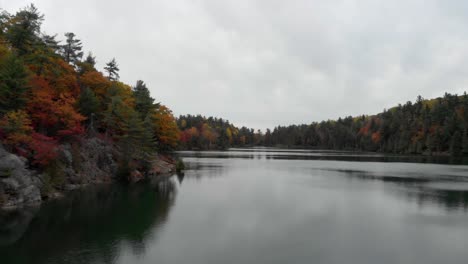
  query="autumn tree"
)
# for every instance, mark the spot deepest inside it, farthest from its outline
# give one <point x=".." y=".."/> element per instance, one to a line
<point x="96" y="82"/>
<point x="44" y="149"/>
<point x="15" y="126"/>
<point x="53" y="113"/>
<point x="165" y="128"/>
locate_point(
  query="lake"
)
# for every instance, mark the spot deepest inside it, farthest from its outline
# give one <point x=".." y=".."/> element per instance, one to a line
<point x="257" y="206"/>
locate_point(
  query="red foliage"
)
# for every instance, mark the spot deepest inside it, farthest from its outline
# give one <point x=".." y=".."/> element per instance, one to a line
<point x="184" y="136"/>
<point x="376" y="137"/>
<point x="44" y="148"/>
<point x="364" y="130"/>
<point x="188" y="134"/>
<point x="76" y="130"/>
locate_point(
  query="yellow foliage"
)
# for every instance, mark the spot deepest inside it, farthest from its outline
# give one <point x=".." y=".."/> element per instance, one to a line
<point x="16" y="125"/>
<point x="166" y="129"/>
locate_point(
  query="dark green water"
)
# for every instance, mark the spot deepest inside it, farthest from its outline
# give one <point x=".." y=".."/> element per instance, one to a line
<point x="257" y="206"/>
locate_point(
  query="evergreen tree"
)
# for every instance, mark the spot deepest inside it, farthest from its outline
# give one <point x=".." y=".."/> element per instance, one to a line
<point x="144" y="103"/>
<point x="88" y="103"/>
<point x="72" y="49"/>
<point x="112" y="70"/>
<point x="13" y="83"/>
<point x="88" y="65"/>
<point x="51" y="42"/>
<point x="22" y="30"/>
<point x="136" y="144"/>
<point x="90" y="59"/>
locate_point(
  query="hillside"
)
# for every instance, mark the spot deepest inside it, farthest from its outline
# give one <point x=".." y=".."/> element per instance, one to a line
<point x="66" y="119"/>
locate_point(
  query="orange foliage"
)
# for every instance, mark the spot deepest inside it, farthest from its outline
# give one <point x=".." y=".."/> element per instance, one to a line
<point x="124" y="91"/>
<point x="376" y="137"/>
<point x="51" y="111"/>
<point x="66" y="80"/>
<point x="166" y="128"/>
<point x="364" y="130"/>
<point x="96" y="82"/>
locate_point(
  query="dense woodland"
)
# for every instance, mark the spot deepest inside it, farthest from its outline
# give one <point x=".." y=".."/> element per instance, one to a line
<point x="424" y="127"/>
<point x="52" y="94"/>
<point x="437" y="126"/>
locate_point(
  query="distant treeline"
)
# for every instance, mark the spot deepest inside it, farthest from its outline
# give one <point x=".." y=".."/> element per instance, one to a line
<point x="437" y="126"/>
<point x="199" y="132"/>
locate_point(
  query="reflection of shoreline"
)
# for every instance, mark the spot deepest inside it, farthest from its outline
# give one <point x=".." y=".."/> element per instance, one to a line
<point x="13" y="224"/>
<point x="421" y="189"/>
<point x="284" y="154"/>
<point x="450" y="200"/>
<point x="100" y="218"/>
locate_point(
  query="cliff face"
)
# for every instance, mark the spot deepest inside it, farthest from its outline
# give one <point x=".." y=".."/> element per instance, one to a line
<point x="91" y="161"/>
<point x="18" y="185"/>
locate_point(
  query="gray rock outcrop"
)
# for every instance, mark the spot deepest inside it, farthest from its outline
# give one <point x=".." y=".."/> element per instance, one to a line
<point x="18" y="185"/>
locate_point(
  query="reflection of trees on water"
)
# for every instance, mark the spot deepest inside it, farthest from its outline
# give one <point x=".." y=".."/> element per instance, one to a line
<point x="419" y="189"/>
<point x="448" y="199"/>
<point x="199" y="170"/>
<point x="276" y="154"/>
<point x="372" y="158"/>
<point x="91" y="225"/>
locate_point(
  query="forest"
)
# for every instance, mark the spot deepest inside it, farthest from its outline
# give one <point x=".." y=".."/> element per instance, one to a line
<point x="430" y="127"/>
<point x="52" y="94"/>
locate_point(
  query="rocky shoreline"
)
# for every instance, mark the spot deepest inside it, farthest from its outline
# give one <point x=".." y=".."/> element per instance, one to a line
<point x="93" y="162"/>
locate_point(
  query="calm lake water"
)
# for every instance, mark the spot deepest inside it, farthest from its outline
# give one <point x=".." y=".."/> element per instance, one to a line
<point x="257" y="206"/>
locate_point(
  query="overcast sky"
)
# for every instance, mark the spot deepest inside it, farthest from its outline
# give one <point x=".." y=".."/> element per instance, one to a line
<point x="274" y="62"/>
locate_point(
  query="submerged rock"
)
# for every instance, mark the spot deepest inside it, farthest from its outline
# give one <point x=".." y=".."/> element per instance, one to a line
<point x="162" y="165"/>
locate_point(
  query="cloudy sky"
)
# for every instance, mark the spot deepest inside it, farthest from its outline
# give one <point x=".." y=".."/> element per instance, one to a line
<point x="271" y="62"/>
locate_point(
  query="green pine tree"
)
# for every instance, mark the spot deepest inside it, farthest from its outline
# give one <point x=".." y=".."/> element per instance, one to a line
<point x="13" y="83"/>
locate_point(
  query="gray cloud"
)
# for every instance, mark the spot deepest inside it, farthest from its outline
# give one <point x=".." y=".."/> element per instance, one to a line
<point x="264" y="63"/>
